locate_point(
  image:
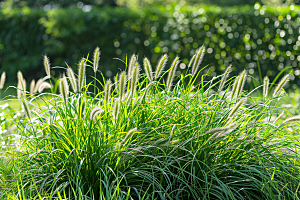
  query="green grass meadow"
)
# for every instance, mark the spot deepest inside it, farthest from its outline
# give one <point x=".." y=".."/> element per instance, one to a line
<point x="150" y="133"/>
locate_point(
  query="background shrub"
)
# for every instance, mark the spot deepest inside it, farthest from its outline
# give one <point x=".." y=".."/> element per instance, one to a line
<point x="243" y="36"/>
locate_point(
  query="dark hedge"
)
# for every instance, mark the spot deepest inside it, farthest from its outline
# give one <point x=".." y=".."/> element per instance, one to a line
<point x="242" y="36"/>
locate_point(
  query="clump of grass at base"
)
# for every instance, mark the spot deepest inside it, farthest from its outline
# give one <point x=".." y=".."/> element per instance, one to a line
<point x="167" y="143"/>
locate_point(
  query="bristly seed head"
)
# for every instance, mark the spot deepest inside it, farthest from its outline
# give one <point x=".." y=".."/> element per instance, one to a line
<point x="81" y="73"/>
<point x="32" y="86"/>
<point x="172" y="73"/>
<point x="131" y="65"/>
<point x="198" y="60"/>
<point x="134" y="79"/>
<point x="2" y="80"/>
<point x="148" y="69"/>
<point x="44" y="85"/>
<point x="236" y="107"/>
<point x="37" y="85"/>
<point x="122" y="85"/>
<point x="26" y="108"/>
<point x="241" y="83"/>
<point x="224" y="78"/>
<point x="191" y="61"/>
<point x="234" y="86"/>
<point x="72" y="79"/>
<point x="160" y="65"/>
<point x="47" y="66"/>
<point x="96" y="59"/>
<point x="21" y="85"/>
<point x="266" y="86"/>
<point x="107" y="90"/>
<point x="96" y="111"/>
<point x="64" y="88"/>
<point x="116" y="109"/>
<point x="291" y="119"/>
<point x="280" y="85"/>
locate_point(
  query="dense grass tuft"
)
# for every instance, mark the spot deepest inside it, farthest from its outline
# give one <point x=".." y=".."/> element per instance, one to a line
<point x="164" y="138"/>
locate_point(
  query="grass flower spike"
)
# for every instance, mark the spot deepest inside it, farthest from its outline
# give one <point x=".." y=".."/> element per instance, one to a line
<point x="172" y="73"/>
<point x="81" y="73"/>
<point x="44" y="85"/>
<point x="96" y="59"/>
<point x="280" y="85"/>
<point x="122" y="85"/>
<point x="2" y="80"/>
<point x="160" y="66"/>
<point x="234" y="87"/>
<point x="32" y="86"/>
<point x="291" y="120"/>
<point x="134" y="79"/>
<point x="198" y="60"/>
<point x="37" y="85"/>
<point x="236" y="107"/>
<point x="21" y="85"/>
<point x="96" y="111"/>
<point x="224" y="78"/>
<point x="72" y="79"/>
<point x="64" y="89"/>
<point x="26" y="108"/>
<point x="107" y="90"/>
<point x="266" y="86"/>
<point x="47" y="66"/>
<point x="148" y="69"/>
<point x="241" y="83"/>
<point x="131" y="65"/>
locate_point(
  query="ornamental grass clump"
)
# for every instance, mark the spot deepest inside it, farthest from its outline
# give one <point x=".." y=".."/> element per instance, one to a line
<point x="166" y="142"/>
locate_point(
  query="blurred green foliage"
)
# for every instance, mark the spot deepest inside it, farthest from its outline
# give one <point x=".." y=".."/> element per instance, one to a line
<point x="246" y="37"/>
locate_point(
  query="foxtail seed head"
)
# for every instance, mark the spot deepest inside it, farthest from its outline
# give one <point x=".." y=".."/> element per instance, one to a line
<point x="266" y="86"/>
<point x="291" y="120"/>
<point x="135" y="78"/>
<point x="224" y="78"/>
<point x="131" y="65"/>
<point x="47" y="66"/>
<point x="172" y="73"/>
<point x="198" y="60"/>
<point x="107" y="90"/>
<point x="160" y="65"/>
<point x="148" y="69"/>
<point x="241" y="83"/>
<point x="72" y="79"/>
<point x="96" y="59"/>
<point x="234" y="86"/>
<point x="81" y="73"/>
<point x="129" y="133"/>
<point x="191" y="61"/>
<point x="122" y="85"/>
<point x="44" y="85"/>
<point x="21" y="85"/>
<point x="117" y="109"/>
<point x="278" y="117"/>
<point x="32" y="86"/>
<point x="37" y="85"/>
<point x="64" y="88"/>
<point x="2" y="80"/>
<point x="96" y="111"/>
<point x="280" y="85"/>
<point x="26" y="108"/>
<point x="236" y="107"/>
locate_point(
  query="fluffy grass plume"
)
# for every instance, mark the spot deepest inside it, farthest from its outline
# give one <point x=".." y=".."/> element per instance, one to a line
<point x="2" y="80"/>
<point x="96" y="111"/>
<point x="198" y="60"/>
<point x="72" y="79"/>
<point x="81" y="73"/>
<point x="291" y="120"/>
<point x="172" y="73"/>
<point x="148" y="69"/>
<point x="37" y="85"/>
<point x="161" y="65"/>
<point x="236" y="107"/>
<point x="280" y="85"/>
<point x="122" y="85"/>
<point x="131" y="65"/>
<point x="266" y="86"/>
<point x="241" y="83"/>
<point x="134" y="79"/>
<point x="107" y="90"/>
<point x="224" y="78"/>
<point x="32" y="86"/>
<point x="191" y="61"/>
<point x="234" y="87"/>
<point x="26" y="107"/>
<point x="43" y="86"/>
<point x="96" y="59"/>
<point x="47" y="66"/>
<point x="64" y="89"/>
<point x="21" y="85"/>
